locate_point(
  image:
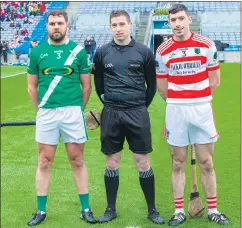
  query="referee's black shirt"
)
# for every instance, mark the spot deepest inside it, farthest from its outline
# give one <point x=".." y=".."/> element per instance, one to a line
<point x="126" y="75"/>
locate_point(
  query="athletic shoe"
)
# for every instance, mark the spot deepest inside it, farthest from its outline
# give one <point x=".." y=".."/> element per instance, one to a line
<point x="87" y="215"/>
<point x="108" y="216"/>
<point x="37" y="218"/>
<point x="154" y="216"/>
<point x="177" y="219"/>
<point x="219" y="218"/>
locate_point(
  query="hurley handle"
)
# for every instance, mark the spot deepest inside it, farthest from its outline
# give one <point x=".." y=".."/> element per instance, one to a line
<point x="194" y="174"/>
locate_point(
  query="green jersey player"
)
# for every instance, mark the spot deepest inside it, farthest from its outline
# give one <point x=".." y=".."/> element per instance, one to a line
<point x="56" y="69"/>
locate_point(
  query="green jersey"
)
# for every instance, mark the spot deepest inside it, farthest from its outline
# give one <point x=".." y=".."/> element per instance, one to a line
<point x="58" y="68"/>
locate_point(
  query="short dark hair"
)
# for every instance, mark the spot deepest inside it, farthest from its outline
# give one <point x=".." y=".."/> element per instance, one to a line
<point x="58" y="13"/>
<point x="177" y="8"/>
<point x="117" y="13"/>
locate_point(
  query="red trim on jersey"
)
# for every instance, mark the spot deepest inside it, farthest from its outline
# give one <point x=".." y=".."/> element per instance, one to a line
<point x="179" y="45"/>
<point x="164" y="46"/>
<point x="203" y="39"/>
<point x="188" y="79"/>
<point x="184" y="41"/>
<point x="162" y="75"/>
<point x="203" y="60"/>
<point x="186" y="94"/>
<point x="213" y="68"/>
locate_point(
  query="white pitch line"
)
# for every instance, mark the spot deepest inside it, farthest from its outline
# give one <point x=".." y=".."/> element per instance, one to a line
<point x="13" y="75"/>
<point x="133" y="227"/>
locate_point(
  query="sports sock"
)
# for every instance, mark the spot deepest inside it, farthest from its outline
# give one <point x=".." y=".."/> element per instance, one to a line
<point x="147" y="183"/>
<point x="41" y="203"/>
<point x="212" y="205"/>
<point x="84" y="200"/>
<point x="179" y="205"/>
<point x="111" y="179"/>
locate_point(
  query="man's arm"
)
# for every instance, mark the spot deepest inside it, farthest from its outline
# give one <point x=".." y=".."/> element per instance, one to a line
<point x="214" y="80"/>
<point x="33" y="89"/>
<point x="85" y="77"/>
<point x="98" y="75"/>
<point x="86" y="88"/>
<point x="162" y="76"/>
<point x="150" y="78"/>
<point x="213" y="68"/>
<point x="32" y="71"/>
<point x="162" y="85"/>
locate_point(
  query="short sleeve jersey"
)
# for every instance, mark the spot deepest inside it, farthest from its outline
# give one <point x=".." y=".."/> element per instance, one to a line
<point x="186" y="65"/>
<point x="58" y="68"/>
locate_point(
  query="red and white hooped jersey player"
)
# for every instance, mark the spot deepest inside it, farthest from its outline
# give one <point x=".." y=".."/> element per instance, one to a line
<point x="189" y="114"/>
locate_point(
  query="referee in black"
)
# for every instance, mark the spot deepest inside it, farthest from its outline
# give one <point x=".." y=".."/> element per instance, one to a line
<point x="125" y="81"/>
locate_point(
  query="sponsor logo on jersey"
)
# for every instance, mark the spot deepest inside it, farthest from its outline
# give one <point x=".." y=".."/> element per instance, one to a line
<point x="172" y="55"/>
<point x="186" y="65"/>
<point x="197" y="51"/>
<point x="215" y="56"/>
<point x="58" y="71"/>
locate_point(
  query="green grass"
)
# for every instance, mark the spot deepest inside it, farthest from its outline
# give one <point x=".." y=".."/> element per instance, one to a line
<point x="9" y="70"/>
<point x="19" y="162"/>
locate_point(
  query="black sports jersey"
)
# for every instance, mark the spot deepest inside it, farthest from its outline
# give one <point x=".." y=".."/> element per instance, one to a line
<point x="126" y="75"/>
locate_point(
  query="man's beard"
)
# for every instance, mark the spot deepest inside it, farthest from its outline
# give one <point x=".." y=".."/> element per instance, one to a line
<point x="58" y="38"/>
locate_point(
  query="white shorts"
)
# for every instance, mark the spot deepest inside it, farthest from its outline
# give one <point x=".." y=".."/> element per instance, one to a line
<point x="190" y="124"/>
<point x="65" y="122"/>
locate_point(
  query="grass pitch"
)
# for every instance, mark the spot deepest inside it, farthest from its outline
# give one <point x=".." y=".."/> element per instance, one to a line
<point x="19" y="162"/>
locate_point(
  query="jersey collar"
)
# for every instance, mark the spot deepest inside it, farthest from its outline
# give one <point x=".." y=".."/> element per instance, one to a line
<point x="49" y="42"/>
<point x="131" y="43"/>
<point x="192" y="34"/>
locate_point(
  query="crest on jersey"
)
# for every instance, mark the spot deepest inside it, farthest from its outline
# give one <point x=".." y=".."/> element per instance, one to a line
<point x="197" y="51"/>
<point x="215" y="56"/>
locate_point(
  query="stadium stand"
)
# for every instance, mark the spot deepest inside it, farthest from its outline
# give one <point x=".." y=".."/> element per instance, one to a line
<point x="219" y="21"/>
<point x="36" y="27"/>
<point x="96" y="25"/>
<point x="213" y="6"/>
<point x="223" y="26"/>
<point x="20" y="15"/>
<point x="92" y="18"/>
<point x="39" y="33"/>
<point x="107" y="7"/>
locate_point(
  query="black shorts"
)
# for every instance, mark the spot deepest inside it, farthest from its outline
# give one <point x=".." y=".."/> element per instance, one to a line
<point x="133" y="124"/>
